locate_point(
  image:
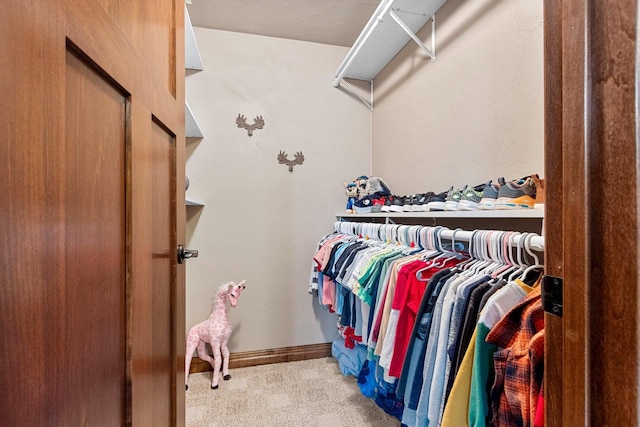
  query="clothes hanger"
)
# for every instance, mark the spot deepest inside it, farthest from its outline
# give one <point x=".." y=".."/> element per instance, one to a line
<point x="537" y="264"/>
<point x="503" y="253"/>
<point x="521" y="264"/>
<point x="506" y="253"/>
<point x="472" y="251"/>
<point x="494" y="252"/>
<point x="438" y="246"/>
<point x="436" y="241"/>
<point x="430" y="244"/>
<point x="482" y="254"/>
<point x="452" y="254"/>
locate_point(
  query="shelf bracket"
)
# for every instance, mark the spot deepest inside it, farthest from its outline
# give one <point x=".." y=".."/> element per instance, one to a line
<point x="431" y="52"/>
<point x="350" y="89"/>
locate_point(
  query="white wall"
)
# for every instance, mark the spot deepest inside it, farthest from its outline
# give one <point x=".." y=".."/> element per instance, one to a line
<point x="261" y="222"/>
<point x="476" y="112"/>
<point x="473" y="114"/>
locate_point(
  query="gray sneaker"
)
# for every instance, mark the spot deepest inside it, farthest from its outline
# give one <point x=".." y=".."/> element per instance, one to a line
<point x="517" y="195"/>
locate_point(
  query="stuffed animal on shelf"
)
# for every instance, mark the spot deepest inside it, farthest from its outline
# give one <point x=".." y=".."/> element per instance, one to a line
<point x="376" y="185"/>
<point x="351" y="189"/>
<point x="371" y="185"/>
<point x="214" y="331"/>
<point x="361" y="184"/>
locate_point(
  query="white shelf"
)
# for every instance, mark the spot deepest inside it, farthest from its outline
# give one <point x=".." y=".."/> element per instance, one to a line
<point x="191" y="128"/>
<point x="192" y="60"/>
<point x="191" y="202"/>
<point x="383" y="37"/>
<point x="537" y="212"/>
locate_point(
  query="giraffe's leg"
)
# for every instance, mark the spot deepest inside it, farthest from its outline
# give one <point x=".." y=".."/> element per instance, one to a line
<point x="202" y="353"/>
<point x="192" y="343"/>
<point x="225" y="360"/>
<point x="215" y="346"/>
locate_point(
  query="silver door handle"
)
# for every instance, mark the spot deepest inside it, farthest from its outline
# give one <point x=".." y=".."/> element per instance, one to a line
<point x="184" y="254"/>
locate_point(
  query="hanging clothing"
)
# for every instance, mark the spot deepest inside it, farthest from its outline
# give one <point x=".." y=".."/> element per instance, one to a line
<point x="483" y="369"/>
<point x="520" y="338"/>
<point x="432" y="340"/>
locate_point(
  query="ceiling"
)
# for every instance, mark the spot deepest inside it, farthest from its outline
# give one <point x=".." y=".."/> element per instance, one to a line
<point x="335" y="22"/>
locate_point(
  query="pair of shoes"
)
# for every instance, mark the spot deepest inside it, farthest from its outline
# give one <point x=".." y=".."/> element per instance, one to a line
<point x="404" y="203"/>
<point x="435" y="202"/>
<point x="520" y="194"/>
<point x="419" y="201"/>
<point x="471" y="197"/>
<point x="467" y="199"/>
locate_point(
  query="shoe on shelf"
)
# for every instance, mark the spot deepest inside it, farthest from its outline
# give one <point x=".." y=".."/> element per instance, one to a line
<point x="540" y="188"/>
<point x="519" y="194"/>
<point x="490" y="195"/>
<point x="452" y="200"/>
<point x="398" y="202"/>
<point x="363" y="205"/>
<point x="408" y="203"/>
<point x="435" y="202"/>
<point x="388" y="202"/>
<point x="377" y="205"/>
<point x="420" y="201"/>
<point x="471" y="197"/>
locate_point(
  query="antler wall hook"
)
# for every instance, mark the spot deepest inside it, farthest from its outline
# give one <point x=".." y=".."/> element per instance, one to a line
<point x="283" y="159"/>
<point x="258" y="123"/>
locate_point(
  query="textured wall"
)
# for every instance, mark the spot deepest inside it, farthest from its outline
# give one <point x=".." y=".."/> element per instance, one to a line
<point x="261" y="222"/>
<point x="473" y="114"/>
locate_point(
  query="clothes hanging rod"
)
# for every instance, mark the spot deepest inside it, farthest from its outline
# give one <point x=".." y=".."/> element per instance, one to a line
<point x="535" y="241"/>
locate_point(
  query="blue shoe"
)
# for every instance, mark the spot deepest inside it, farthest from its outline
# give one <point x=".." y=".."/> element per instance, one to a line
<point x="363" y="205"/>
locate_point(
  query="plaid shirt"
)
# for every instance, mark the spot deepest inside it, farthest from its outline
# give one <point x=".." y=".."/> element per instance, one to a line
<point x="518" y="363"/>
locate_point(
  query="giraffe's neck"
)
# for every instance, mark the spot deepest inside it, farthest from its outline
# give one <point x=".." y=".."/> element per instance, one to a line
<point x="220" y="309"/>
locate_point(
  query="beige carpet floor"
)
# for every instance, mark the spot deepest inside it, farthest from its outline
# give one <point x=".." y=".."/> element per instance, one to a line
<point x="310" y="393"/>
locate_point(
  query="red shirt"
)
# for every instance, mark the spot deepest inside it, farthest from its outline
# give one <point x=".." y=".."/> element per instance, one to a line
<point x="407" y="301"/>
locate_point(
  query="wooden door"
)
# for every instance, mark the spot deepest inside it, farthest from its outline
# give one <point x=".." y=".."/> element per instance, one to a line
<point x="91" y="212"/>
<point x="592" y="171"/>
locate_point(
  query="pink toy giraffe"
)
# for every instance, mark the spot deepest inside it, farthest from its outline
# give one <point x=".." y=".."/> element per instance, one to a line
<point x="216" y="331"/>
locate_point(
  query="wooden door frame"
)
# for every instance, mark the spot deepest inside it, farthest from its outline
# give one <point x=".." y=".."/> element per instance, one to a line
<point x="553" y="200"/>
<point x="591" y="149"/>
